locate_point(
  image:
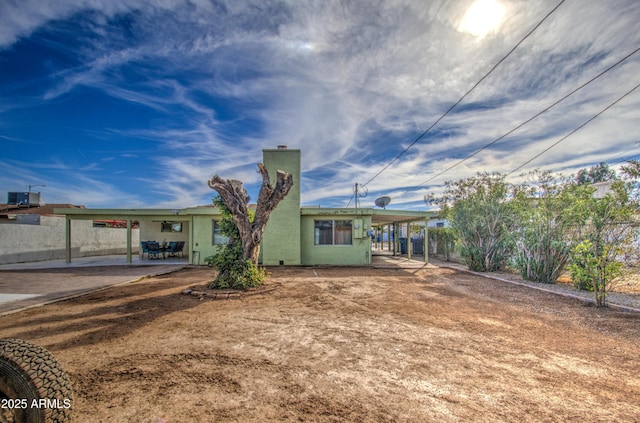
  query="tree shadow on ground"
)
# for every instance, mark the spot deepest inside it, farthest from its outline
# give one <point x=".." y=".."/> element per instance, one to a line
<point x="96" y="317"/>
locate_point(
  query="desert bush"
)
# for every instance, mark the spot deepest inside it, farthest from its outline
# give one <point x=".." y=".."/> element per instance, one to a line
<point x="609" y="238"/>
<point x="550" y="209"/>
<point x="445" y="241"/>
<point x="483" y="220"/>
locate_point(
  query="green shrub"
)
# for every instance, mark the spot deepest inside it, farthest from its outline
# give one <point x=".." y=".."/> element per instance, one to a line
<point x="483" y="220"/>
<point x="583" y="266"/>
<point x="593" y="271"/>
<point x="236" y="274"/>
<point x="444" y="239"/>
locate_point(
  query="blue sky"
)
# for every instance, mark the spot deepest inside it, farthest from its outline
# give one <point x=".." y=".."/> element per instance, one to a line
<point x="114" y="103"/>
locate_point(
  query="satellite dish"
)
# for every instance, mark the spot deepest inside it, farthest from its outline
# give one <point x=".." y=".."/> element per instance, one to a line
<point x="383" y="201"/>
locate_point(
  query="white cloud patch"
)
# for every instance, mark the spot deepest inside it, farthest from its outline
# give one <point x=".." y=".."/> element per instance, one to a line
<point x="350" y="84"/>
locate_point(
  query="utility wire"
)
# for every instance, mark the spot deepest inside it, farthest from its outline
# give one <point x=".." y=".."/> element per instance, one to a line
<point x="625" y="152"/>
<point x="532" y="118"/>
<point x="466" y="94"/>
<point x="546" y="109"/>
<point x="627" y="159"/>
<point x="461" y="98"/>
<point x="575" y="130"/>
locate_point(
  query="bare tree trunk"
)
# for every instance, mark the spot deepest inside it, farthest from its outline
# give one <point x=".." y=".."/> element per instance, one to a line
<point x="236" y="199"/>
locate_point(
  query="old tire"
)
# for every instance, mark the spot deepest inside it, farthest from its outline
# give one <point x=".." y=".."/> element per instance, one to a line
<point x="33" y="386"/>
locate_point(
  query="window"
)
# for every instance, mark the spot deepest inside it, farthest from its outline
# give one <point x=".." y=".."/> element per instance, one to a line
<point x="171" y="227"/>
<point x="332" y="232"/>
<point x="217" y="237"/>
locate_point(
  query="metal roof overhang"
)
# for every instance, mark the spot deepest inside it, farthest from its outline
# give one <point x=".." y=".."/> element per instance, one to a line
<point x="379" y="217"/>
<point x="130" y="215"/>
<point x="387" y="217"/>
<point x="137" y="214"/>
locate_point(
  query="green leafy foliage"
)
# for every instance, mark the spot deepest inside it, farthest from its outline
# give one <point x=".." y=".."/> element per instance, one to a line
<point x="631" y="170"/>
<point x="483" y="220"/>
<point x="547" y="222"/>
<point x="236" y="273"/>
<point x="444" y="239"/>
<point x="592" y="270"/>
<point x="609" y="240"/>
<point x="583" y="266"/>
<point x="233" y="271"/>
<point x="598" y="173"/>
<point x="550" y="210"/>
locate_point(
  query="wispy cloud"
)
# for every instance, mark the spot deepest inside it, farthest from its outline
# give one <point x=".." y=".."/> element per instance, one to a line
<point x="351" y="84"/>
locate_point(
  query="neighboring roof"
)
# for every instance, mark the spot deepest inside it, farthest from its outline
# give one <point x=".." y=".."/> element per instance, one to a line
<point x="44" y="209"/>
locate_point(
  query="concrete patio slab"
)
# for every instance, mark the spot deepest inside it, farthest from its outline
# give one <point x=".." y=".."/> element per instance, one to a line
<point x="27" y="285"/>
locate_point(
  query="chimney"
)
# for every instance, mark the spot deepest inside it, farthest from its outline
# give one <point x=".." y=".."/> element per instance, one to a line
<point x="282" y="147"/>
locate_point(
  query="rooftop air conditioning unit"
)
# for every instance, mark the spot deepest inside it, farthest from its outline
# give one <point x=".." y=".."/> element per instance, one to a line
<point x="25" y="199"/>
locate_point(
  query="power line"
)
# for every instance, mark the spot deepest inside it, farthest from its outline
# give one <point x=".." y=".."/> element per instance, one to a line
<point x="546" y="109"/>
<point x="465" y="94"/>
<point x="625" y="152"/>
<point x="533" y="117"/>
<point x="575" y="130"/>
<point x="422" y="135"/>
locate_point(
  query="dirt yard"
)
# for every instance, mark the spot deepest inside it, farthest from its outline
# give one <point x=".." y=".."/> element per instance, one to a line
<point x="334" y="345"/>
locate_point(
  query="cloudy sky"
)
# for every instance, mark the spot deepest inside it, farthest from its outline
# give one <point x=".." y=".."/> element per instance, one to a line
<point x="137" y="103"/>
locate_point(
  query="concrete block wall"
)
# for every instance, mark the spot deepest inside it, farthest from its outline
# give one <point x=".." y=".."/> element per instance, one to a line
<point x="24" y="243"/>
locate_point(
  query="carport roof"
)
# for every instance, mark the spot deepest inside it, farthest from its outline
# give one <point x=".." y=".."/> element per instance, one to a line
<point x="176" y="214"/>
<point x="386" y="217"/>
<point x="378" y="216"/>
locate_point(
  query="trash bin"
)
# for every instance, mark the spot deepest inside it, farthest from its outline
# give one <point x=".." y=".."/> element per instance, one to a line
<point x="417" y="246"/>
<point x="403" y="245"/>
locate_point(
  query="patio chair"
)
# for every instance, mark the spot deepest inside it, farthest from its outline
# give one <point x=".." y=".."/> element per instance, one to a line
<point x="179" y="248"/>
<point x="153" y="250"/>
<point x="143" y="245"/>
<point x="172" y="248"/>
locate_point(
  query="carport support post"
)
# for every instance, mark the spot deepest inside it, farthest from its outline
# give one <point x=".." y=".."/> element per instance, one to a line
<point x="426" y="242"/>
<point x="408" y="240"/>
<point x="67" y="239"/>
<point x="392" y="244"/>
<point x="388" y="238"/>
<point x="129" y="259"/>
<point x="396" y="239"/>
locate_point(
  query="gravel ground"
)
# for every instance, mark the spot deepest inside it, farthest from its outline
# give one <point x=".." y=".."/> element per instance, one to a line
<point x="625" y="295"/>
<point x="411" y="343"/>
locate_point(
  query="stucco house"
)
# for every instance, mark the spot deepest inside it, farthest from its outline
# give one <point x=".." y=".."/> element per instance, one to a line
<point x="294" y="235"/>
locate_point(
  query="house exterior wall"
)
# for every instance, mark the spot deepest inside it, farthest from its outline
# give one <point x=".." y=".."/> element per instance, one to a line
<point x="356" y="254"/>
<point x="202" y="236"/>
<point x="281" y="241"/>
<point x="290" y="234"/>
<point x="26" y="243"/>
<point x="152" y="231"/>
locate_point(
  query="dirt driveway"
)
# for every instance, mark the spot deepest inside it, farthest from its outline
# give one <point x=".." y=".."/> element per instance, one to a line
<point x="333" y="345"/>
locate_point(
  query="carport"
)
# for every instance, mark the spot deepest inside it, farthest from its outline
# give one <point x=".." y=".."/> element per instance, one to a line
<point x="389" y="223"/>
